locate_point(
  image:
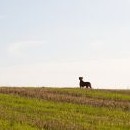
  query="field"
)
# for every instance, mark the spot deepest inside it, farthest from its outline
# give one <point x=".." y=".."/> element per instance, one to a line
<point x="64" y="109"/>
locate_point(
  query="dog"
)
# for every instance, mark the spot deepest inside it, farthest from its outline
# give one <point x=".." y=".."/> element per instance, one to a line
<point x="82" y="83"/>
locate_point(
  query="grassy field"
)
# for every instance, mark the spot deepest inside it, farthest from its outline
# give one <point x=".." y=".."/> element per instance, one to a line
<point x="64" y="109"/>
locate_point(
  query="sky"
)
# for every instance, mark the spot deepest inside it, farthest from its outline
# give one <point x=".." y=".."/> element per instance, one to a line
<point x="53" y="42"/>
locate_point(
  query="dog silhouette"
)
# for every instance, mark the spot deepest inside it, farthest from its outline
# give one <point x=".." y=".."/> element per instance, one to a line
<point x="84" y="84"/>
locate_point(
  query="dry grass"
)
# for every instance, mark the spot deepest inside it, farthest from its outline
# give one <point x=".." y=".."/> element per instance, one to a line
<point x="64" y="109"/>
<point x="120" y="100"/>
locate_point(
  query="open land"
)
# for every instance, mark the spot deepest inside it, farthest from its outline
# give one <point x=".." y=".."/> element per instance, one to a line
<point x="29" y="108"/>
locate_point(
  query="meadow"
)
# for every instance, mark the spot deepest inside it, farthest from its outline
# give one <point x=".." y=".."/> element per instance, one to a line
<point x="64" y="109"/>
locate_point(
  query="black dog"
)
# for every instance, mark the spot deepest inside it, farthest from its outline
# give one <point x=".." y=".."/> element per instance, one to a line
<point x="82" y="83"/>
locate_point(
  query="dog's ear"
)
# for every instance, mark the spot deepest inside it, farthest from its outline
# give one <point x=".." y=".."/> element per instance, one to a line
<point x="80" y="78"/>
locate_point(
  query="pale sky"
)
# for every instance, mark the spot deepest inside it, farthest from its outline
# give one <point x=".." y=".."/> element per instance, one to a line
<point x="53" y="42"/>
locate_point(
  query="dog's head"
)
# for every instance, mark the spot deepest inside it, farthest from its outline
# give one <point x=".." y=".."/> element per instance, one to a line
<point x="80" y="78"/>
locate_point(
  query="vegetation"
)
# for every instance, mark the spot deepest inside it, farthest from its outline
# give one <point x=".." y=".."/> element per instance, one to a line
<point x="64" y="109"/>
